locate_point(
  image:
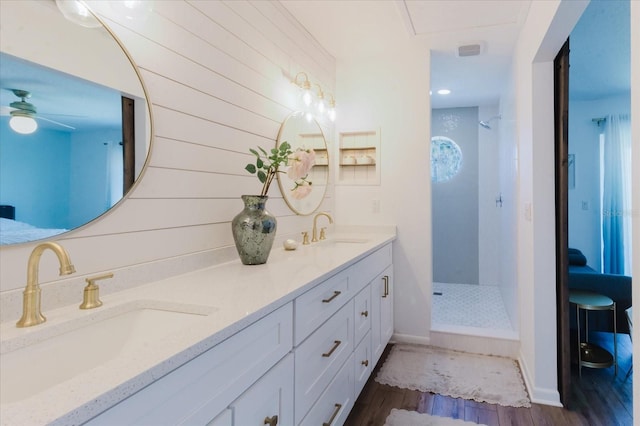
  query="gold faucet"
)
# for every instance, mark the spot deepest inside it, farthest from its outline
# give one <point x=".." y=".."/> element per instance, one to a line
<point x="91" y="295"/>
<point x="314" y="238"/>
<point x="31" y="312"/>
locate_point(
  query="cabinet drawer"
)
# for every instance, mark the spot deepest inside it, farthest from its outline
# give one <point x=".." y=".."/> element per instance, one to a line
<point x="335" y="403"/>
<point x="363" y="364"/>
<point x="206" y="385"/>
<point x="362" y="314"/>
<point x="316" y="305"/>
<point x="320" y="357"/>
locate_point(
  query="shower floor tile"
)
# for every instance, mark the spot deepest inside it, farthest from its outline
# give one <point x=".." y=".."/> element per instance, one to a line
<point x="469" y="305"/>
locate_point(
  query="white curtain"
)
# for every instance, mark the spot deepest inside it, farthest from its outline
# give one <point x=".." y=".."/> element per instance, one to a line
<point x="616" y="195"/>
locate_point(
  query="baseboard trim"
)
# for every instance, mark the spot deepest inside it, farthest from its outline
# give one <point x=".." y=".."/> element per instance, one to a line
<point x="543" y="396"/>
<point x="408" y="338"/>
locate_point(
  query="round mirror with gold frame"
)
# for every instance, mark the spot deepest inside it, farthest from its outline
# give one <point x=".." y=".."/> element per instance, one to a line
<point x="82" y="92"/>
<point x="301" y="132"/>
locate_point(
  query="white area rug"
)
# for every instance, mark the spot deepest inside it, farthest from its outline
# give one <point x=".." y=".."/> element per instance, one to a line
<point x="413" y="418"/>
<point x="482" y="378"/>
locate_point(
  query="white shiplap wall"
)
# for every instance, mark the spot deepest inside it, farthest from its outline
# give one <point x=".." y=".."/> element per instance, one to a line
<point x="218" y="76"/>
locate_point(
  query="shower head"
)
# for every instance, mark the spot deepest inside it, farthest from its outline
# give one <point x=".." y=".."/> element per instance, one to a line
<point x="485" y="123"/>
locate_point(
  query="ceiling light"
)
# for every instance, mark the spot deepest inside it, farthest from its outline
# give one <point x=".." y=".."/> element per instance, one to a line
<point x="23" y="122"/>
<point x="444" y="91"/>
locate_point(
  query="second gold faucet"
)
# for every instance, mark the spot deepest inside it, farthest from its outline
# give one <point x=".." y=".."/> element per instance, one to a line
<point x="314" y="233"/>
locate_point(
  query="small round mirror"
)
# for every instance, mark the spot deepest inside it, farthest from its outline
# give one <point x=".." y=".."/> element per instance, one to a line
<point x="301" y="132"/>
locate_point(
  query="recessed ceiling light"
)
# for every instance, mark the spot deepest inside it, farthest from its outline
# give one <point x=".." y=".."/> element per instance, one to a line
<point x="444" y="91"/>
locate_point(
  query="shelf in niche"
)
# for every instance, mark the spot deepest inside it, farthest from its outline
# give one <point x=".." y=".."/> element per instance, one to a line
<point x="362" y="149"/>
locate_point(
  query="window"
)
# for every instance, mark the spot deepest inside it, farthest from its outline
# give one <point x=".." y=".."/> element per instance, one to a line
<point x="446" y="159"/>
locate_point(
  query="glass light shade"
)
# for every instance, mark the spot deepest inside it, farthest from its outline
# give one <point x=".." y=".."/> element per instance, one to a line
<point x="321" y="106"/>
<point x="137" y="10"/>
<point x="332" y="114"/>
<point x="76" y="12"/>
<point x="307" y="97"/>
<point x="23" y="124"/>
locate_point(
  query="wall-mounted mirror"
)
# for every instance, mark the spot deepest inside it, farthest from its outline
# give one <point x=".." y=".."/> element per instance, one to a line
<point x="301" y="132"/>
<point x="84" y="96"/>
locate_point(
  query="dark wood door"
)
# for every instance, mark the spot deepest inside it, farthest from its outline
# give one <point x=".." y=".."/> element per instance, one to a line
<point x="561" y="88"/>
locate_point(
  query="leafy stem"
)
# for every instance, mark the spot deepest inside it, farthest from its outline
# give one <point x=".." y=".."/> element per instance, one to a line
<point x="267" y="164"/>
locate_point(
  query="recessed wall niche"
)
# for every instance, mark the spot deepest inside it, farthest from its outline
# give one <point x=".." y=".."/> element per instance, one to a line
<point x="359" y="158"/>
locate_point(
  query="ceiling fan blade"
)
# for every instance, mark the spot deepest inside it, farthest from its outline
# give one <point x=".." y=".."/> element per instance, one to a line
<point x="5" y="110"/>
<point x="55" y="122"/>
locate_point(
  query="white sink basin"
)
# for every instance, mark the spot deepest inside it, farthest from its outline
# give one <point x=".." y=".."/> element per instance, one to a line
<point x="49" y="357"/>
<point x="348" y="240"/>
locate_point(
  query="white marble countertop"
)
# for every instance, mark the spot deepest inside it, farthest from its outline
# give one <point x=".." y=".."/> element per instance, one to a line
<point x="228" y="298"/>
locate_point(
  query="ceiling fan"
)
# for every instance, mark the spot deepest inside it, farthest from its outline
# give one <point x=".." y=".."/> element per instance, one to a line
<point x="24" y="114"/>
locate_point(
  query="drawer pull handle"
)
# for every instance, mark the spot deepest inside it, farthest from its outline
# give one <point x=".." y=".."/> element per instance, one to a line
<point x="386" y="285"/>
<point x="365" y="363"/>
<point x="271" y="421"/>
<point x="364" y="313"/>
<point x="336" y="293"/>
<point x="333" y="416"/>
<point x="336" y="343"/>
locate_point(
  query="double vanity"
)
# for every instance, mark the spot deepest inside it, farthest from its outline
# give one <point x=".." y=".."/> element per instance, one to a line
<point x="289" y="342"/>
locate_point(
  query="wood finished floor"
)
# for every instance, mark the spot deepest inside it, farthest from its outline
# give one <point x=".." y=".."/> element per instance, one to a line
<point x="598" y="397"/>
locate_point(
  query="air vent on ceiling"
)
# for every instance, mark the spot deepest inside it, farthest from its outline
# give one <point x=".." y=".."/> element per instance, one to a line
<point x="469" y="50"/>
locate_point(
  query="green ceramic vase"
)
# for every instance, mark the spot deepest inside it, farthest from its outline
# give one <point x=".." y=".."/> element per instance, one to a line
<point x="254" y="230"/>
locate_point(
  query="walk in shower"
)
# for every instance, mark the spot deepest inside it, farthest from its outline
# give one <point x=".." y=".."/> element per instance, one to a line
<point x="472" y="295"/>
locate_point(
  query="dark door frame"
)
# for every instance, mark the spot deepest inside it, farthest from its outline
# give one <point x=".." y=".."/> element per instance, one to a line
<point x="561" y="118"/>
<point x="128" y="144"/>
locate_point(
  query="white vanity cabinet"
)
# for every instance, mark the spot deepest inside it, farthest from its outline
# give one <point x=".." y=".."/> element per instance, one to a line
<point x="305" y="363"/>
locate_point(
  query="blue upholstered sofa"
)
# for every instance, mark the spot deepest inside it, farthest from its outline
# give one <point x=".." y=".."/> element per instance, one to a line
<point x="616" y="287"/>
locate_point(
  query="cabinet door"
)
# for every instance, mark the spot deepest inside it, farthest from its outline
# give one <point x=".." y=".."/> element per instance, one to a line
<point x="223" y="419"/>
<point x="386" y="306"/>
<point x="362" y="314"/>
<point x="363" y="364"/>
<point x="270" y="400"/>
<point x="382" y="312"/>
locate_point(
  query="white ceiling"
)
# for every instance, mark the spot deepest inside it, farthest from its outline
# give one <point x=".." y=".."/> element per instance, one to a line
<point x="362" y="28"/>
<point x="353" y="28"/>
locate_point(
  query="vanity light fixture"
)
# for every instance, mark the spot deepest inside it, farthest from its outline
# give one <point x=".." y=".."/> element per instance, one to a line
<point x="320" y="106"/>
<point x="23" y="122"/>
<point x="77" y="12"/>
<point x="305" y="86"/>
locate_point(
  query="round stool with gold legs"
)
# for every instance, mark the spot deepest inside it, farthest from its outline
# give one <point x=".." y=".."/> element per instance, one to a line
<point x="589" y="354"/>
